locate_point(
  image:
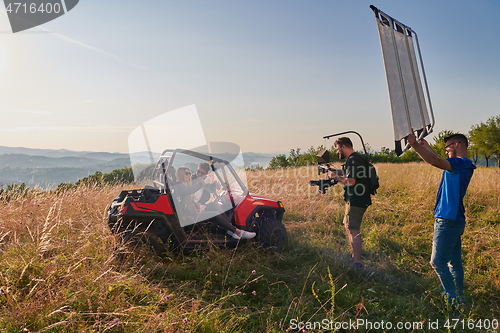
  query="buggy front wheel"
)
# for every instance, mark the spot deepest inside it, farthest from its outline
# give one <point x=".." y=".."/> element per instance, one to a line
<point x="271" y="232"/>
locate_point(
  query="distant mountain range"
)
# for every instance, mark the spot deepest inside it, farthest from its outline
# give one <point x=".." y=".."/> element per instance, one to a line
<point x="60" y="153"/>
<point x="46" y="168"/>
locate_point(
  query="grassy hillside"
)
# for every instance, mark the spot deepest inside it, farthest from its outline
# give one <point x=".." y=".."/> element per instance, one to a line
<point x="62" y="271"/>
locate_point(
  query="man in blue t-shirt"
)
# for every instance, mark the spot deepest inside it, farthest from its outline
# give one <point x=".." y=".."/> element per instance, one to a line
<point x="449" y="211"/>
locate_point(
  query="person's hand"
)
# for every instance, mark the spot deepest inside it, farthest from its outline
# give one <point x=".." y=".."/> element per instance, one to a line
<point x="425" y="144"/>
<point x="201" y="208"/>
<point x="412" y="139"/>
<point x="334" y="175"/>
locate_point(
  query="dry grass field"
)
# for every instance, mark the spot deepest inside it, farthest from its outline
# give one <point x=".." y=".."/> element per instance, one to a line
<point x="61" y="270"/>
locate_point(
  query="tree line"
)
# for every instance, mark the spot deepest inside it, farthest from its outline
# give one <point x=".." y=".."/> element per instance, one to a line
<point x="296" y="158"/>
<point x="484" y="142"/>
<point x="117" y="176"/>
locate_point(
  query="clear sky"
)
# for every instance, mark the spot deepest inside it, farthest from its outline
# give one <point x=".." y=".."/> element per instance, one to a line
<point x="266" y="75"/>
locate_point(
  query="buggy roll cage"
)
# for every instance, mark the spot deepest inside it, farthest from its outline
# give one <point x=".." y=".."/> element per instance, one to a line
<point x="170" y="154"/>
<point x="408" y="101"/>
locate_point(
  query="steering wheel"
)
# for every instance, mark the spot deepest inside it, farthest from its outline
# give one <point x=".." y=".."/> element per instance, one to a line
<point x="221" y="197"/>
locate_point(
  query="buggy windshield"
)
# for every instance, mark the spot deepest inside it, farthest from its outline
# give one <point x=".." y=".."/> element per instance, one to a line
<point x="182" y="171"/>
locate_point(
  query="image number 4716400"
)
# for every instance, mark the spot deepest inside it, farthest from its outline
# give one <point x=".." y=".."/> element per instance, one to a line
<point x="24" y="15"/>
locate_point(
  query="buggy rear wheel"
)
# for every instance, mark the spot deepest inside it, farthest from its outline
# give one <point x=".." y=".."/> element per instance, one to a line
<point x="138" y="241"/>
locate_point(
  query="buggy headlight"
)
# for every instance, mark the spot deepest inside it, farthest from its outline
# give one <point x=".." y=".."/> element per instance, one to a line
<point x="280" y="204"/>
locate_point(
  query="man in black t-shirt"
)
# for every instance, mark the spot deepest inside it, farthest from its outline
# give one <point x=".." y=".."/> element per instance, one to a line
<point x="354" y="176"/>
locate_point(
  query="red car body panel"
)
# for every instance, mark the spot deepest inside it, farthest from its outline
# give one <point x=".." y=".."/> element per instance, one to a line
<point x="161" y="205"/>
<point x="245" y="207"/>
<point x="248" y="205"/>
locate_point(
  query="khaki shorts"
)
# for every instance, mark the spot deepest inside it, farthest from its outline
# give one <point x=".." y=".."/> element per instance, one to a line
<point x="353" y="216"/>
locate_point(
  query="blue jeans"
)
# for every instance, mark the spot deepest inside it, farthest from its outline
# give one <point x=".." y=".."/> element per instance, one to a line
<point x="446" y="258"/>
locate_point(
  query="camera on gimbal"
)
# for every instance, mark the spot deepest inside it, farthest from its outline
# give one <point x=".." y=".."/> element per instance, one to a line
<point x="323" y="167"/>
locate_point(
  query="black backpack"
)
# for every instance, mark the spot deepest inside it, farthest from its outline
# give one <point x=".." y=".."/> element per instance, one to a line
<point x="372" y="175"/>
<point x="373" y="183"/>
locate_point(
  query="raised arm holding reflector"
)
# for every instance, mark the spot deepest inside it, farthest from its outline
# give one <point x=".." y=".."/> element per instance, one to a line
<point x="411" y="108"/>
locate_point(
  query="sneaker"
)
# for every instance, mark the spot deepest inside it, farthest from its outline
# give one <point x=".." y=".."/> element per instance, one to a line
<point x="234" y="235"/>
<point x="247" y="234"/>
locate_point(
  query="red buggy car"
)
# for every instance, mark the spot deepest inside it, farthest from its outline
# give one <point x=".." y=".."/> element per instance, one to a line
<point x="154" y="211"/>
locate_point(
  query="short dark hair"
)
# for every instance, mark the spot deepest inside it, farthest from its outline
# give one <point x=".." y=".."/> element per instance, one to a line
<point x="458" y="136"/>
<point x="344" y="141"/>
<point x="204" y="166"/>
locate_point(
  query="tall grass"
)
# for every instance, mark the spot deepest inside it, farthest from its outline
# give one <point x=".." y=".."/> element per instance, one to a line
<point x="61" y="270"/>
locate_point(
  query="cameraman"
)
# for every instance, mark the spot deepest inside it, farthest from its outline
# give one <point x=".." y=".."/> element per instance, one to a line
<point x="354" y="177"/>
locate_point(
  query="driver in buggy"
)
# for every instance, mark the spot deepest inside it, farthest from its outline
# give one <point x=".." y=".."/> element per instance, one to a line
<point x="203" y="195"/>
<point x="194" y="198"/>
